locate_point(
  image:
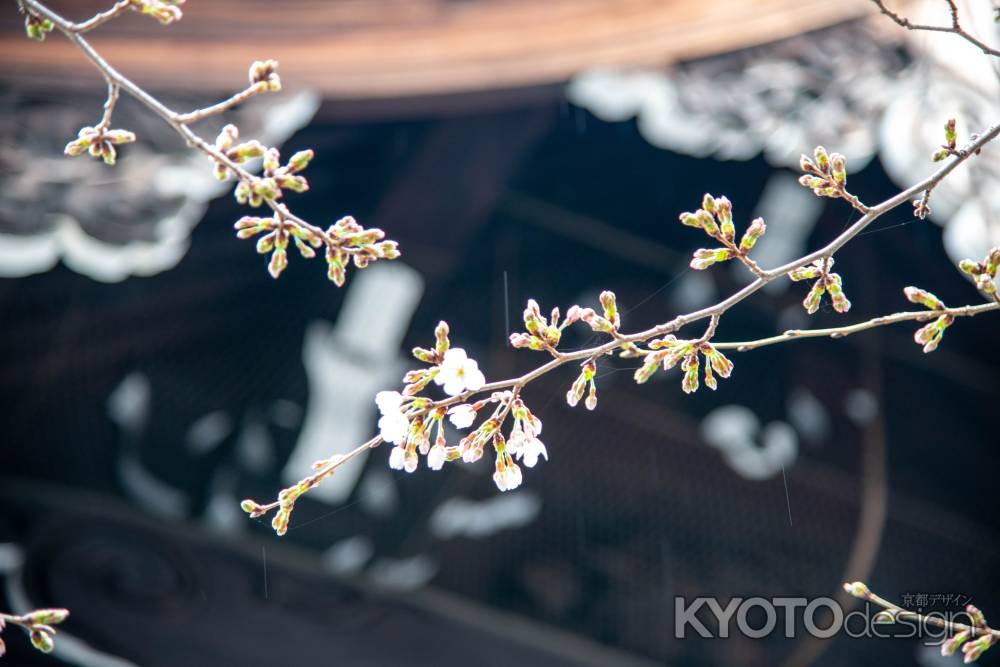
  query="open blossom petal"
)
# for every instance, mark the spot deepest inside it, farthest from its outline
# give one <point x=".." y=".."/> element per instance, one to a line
<point x="531" y="450"/>
<point x="393" y="427"/>
<point x="397" y="458"/>
<point x="462" y="416"/>
<point x="410" y="461"/>
<point x="388" y="401"/>
<point x="459" y="373"/>
<point x="508" y="478"/>
<point x="435" y="458"/>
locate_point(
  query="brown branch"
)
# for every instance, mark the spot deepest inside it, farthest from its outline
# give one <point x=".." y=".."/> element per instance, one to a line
<point x="179" y="121"/>
<point x="619" y="340"/>
<point x="955" y="27"/>
<point x="842" y="332"/>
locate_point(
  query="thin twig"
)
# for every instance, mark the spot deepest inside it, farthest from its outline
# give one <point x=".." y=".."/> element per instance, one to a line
<point x="841" y="332"/>
<point x="176" y="120"/>
<point x="955" y="27"/>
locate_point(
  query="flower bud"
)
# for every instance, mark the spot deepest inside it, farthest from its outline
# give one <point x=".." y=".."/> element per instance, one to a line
<point x="42" y="641"/>
<point x="300" y="160"/>
<point x="690" y="367"/>
<point x="534" y="322"/>
<point x="442" y="343"/>
<point x="119" y="136"/>
<point x="950" y="135"/>
<point x="753" y="232"/>
<point x="724" y="212"/>
<point x="926" y="299"/>
<point x="706" y="257"/>
<point x="822" y="159"/>
<point x="950" y="645"/>
<point x="838" y="165"/>
<point x="278" y="263"/>
<point x="975" y="648"/>
<point x="708" y="203"/>
<point x="47" y="616"/>
<point x="265" y="72"/>
<point x="857" y="589"/>
<point x="609" y="303"/>
<point x="976" y="616"/>
<point x="227" y="137"/>
<point x="813" y="298"/>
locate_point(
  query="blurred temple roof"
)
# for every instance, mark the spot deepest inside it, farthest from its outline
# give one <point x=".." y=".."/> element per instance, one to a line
<point x="376" y="49"/>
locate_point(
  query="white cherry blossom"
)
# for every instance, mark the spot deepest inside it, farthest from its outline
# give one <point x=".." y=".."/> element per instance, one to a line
<point x="530" y="450"/>
<point x="435" y="458"/>
<point x="462" y="416"/>
<point x="397" y="458"/>
<point x="507" y="476"/>
<point x="458" y="372"/>
<point x="393" y="425"/>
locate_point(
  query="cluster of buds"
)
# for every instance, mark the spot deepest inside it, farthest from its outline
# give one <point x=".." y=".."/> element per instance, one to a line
<point x="984" y="272"/>
<point x="667" y="352"/>
<point x="586" y="377"/>
<point x="972" y="647"/>
<point x="929" y="335"/>
<point x="276" y="177"/>
<point x="38" y="624"/>
<point x="99" y="142"/>
<point x="237" y="153"/>
<point x="715" y="218"/>
<point x="451" y="368"/>
<point x="826" y="174"/>
<point x="164" y="11"/>
<point x="350" y="241"/>
<point x="541" y="333"/>
<point x="264" y="77"/>
<point x="825" y="282"/>
<point x="275" y="241"/>
<point x="344" y="239"/>
<point x="522" y="443"/>
<point x="974" y="639"/>
<point x="37" y="27"/>
<point x="286" y="503"/>
<point x="607" y="322"/>
<point x="950" y="145"/>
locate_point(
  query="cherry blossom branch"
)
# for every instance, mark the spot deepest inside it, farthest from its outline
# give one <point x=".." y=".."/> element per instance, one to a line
<point x="343" y="241"/>
<point x="103" y="17"/>
<point x="842" y="332"/>
<point x="955" y="27"/>
<point x="408" y="418"/>
<point x="974" y="637"/>
<point x="38" y="624"/>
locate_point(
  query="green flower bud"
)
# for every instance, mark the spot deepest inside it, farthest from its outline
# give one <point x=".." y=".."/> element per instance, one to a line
<point x="822" y="159"/>
<point x="278" y="263"/>
<point x="708" y="203"/>
<point x="857" y="589"/>
<point x="753" y="232"/>
<point x="610" y="305"/>
<point x="838" y="165"/>
<point x="300" y="160"/>
<point x="926" y="299"/>
<point x="42" y="641"/>
<point x="950" y="645"/>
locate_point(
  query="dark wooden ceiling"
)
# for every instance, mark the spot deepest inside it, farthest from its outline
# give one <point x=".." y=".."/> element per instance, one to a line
<point x="376" y="49"/>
